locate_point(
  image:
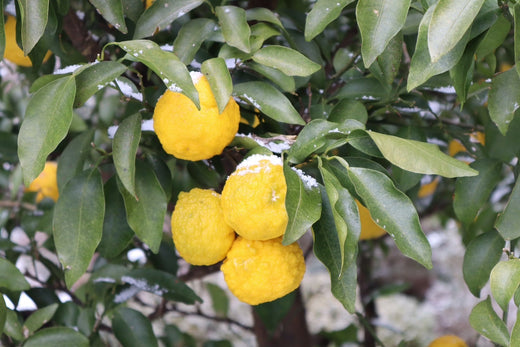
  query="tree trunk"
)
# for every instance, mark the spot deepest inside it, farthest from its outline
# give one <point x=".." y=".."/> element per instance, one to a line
<point x="292" y="331"/>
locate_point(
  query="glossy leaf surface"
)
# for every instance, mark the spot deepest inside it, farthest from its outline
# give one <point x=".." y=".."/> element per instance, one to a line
<point x="78" y="223"/>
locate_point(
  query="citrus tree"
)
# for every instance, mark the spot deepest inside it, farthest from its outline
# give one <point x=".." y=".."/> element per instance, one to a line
<point x="218" y="134"/>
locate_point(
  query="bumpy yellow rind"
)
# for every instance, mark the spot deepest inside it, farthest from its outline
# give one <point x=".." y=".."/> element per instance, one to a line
<point x="253" y="198"/>
<point x="191" y="134"/>
<point x="200" y="234"/>
<point x="262" y="271"/>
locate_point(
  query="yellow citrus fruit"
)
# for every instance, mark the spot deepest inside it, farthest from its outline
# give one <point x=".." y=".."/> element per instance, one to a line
<point x="192" y="134"/>
<point x="448" y="341"/>
<point x="369" y="228"/>
<point x="504" y="67"/>
<point x="253" y="198"/>
<point x="455" y="146"/>
<point x="263" y="271"/>
<point x="46" y="184"/>
<point x="428" y="189"/>
<point x="13" y="52"/>
<point x="200" y="234"/>
<point x="149" y="3"/>
<point x="253" y="122"/>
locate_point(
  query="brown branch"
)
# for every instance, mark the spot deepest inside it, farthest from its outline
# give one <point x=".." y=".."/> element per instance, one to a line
<point x="80" y="37"/>
<point x="196" y="272"/>
<point x="17" y="204"/>
<point x="199" y="313"/>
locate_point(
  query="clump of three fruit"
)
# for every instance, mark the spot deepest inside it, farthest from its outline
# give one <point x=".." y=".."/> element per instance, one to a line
<point x="257" y="267"/>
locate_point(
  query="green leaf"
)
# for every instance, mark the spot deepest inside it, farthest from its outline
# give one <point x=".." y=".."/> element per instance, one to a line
<point x="72" y="159"/>
<point x="269" y="100"/>
<point x="462" y="73"/>
<point x="13" y="327"/>
<point x="419" y="157"/>
<point x="516" y="16"/>
<point x="11" y="278"/>
<point x="515" y="332"/>
<point x="94" y="78"/>
<point x="264" y="15"/>
<point x="327" y="250"/>
<point x="339" y="215"/>
<point x="34" y="14"/>
<point x="260" y="32"/>
<point x="482" y="253"/>
<point x="39" y="318"/>
<point x="112" y="11"/>
<point x="303" y="203"/>
<point x="161" y="283"/>
<point x="117" y="234"/>
<point x="392" y="210"/>
<point x="125" y="145"/>
<point x="191" y="36"/>
<point x="166" y="65"/>
<point x="379" y="21"/>
<point x="386" y="66"/>
<point x="78" y="223"/>
<point x="422" y="67"/>
<point x="507" y="222"/>
<point x="471" y="193"/>
<point x="287" y="60"/>
<point x="44" y="80"/>
<point x="348" y="109"/>
<point x="219" y="299"/>
<point x="504" y="99"/>
<point x="504" y="281"/>
<point x="449" y="23"/>
<point x="161" y="14"/>
<point x="493" y="38"/>
<point x="276" y="76"/>
<point x="487" y="16"/>
<point x="57" y="336"/>
<point x="322" y="14"/>
<point x="366" y="88"/>
<point x="132" y="328"/>
<point x="234" y="25"/>
<point x="146" y="214"/>
<point x="486" y="321"/>
<point x="347" y="209"/>
<point x="45" y="125"/>
<point x="219" y="79"/>
<point x="316" y="137"/>
<point x="3" y="313"/>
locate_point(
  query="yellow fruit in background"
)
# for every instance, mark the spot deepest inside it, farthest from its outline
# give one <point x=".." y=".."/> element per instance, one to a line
<point x="369" y="228"/>
<point x="448" y="341"/>
<point x="428" y="189"/>
<point x="46" y="184"/>
<point x="253" y="198"/>
<point x="192" y="134"/>
<point x="200" y="234"/>
<point x="455" y="146"/>
<point x="263" y="271"/>
<point x="149" y="3"/>
<point x="13" y="52"/>
<point x="504" y="67"/>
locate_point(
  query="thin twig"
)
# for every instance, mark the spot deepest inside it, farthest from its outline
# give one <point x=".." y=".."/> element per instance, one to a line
<point x="18" y="204"/>
<point x="213" y="318"/>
